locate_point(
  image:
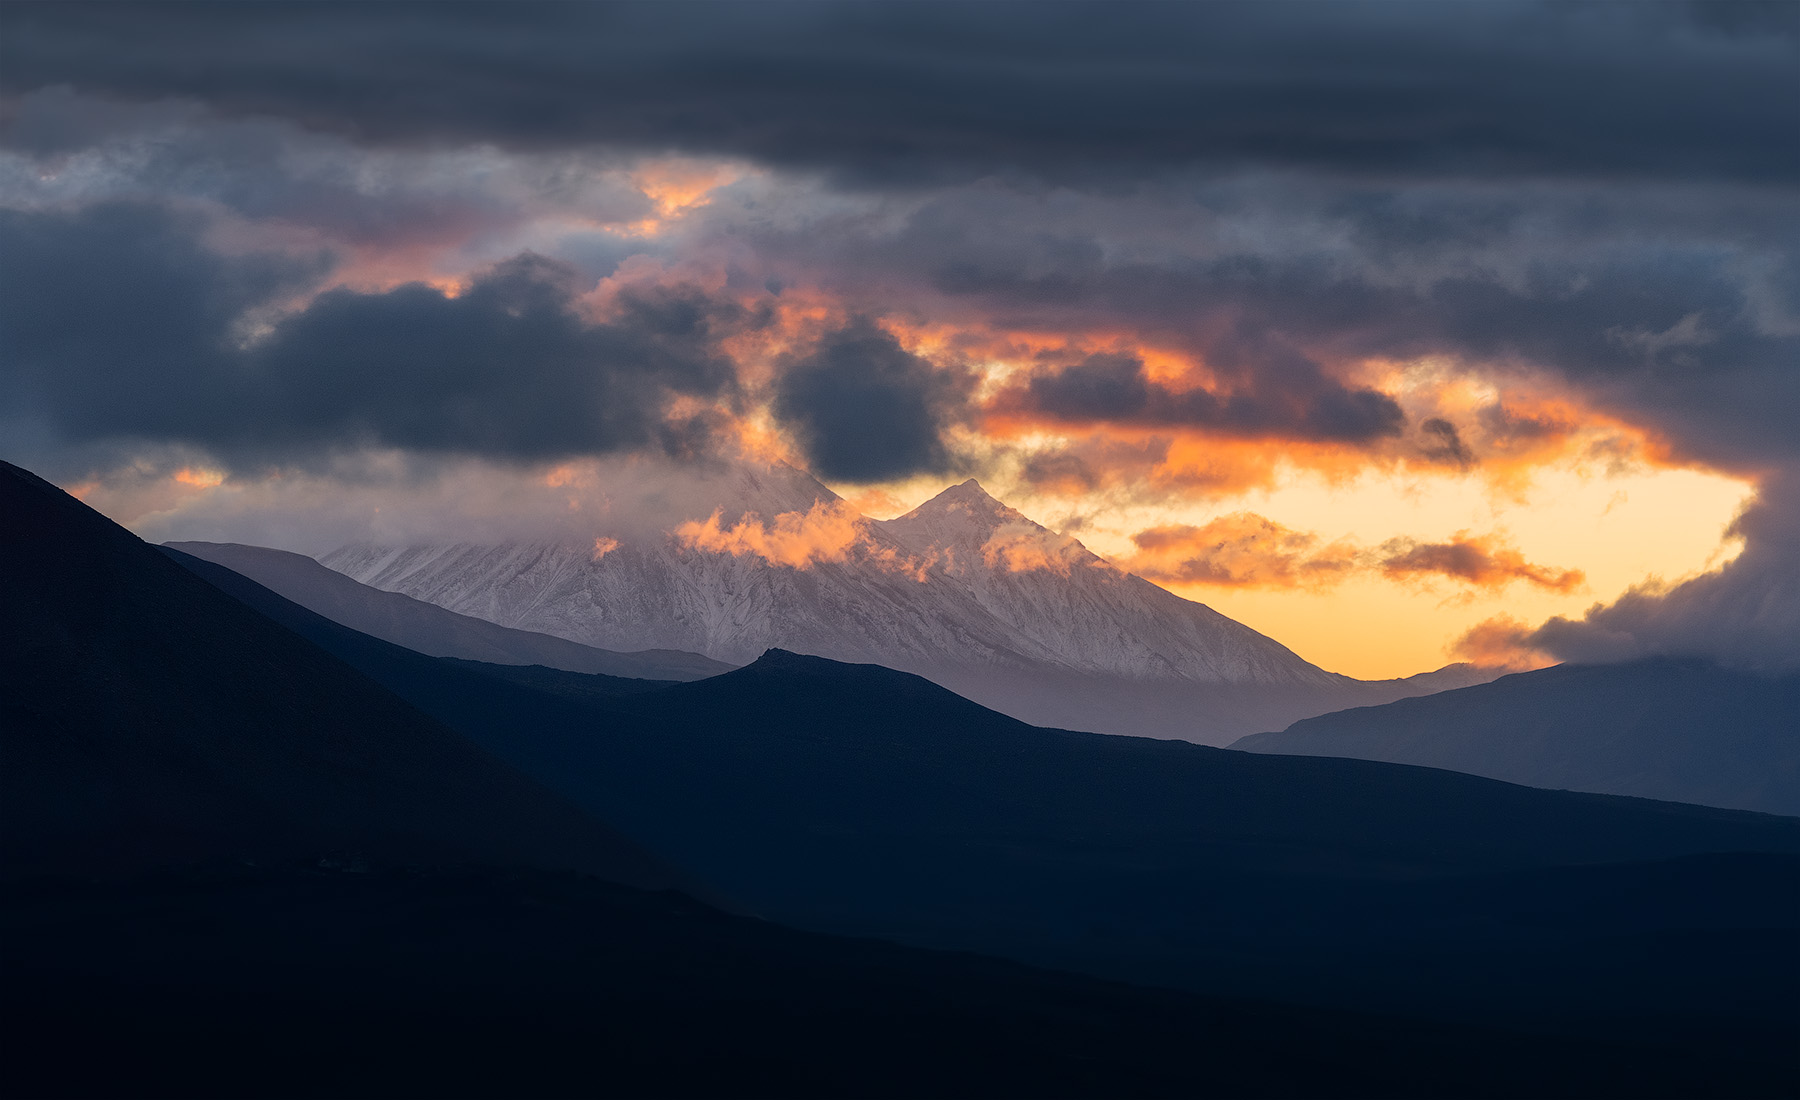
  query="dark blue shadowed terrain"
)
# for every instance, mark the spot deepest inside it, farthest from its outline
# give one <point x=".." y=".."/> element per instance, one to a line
<point x="251" y="852"/>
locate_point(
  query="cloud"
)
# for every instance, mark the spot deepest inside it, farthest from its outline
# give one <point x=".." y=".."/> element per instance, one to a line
<point x="1245" y="550"/>
<point x="1285" y="395"/>
<point x="1445" y="443"/>
<point x="1332" y="221"/>
<point x="1482" y="561"/>
<point x="115" y="322"/>
<point x="1746" y="614"/>
<point x="1241" y="550"/>
<point x="829" y="531"/>
<point x="1026" y="547"/>
<point x="864" y="409"/>
<point x="932" y="91"/>
<point x="1500" y="642"/>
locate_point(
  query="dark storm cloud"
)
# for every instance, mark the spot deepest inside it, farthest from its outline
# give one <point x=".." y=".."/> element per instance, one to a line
<point x="116" y="323"/>
<point x="866" y="409"/>
<point x="1692" y="328"/>
<point x="72" y="148"/>
<point x="1286" y="395"/>
<point x="930" y="91"/>
<point x="1746" y="615"/>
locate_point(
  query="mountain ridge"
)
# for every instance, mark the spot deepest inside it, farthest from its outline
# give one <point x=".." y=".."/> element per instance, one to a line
<point x="434" y="630"/>
<point x="151" y="720"/>
<point x="1663" y="727"/>
<point x="963" y="590"/>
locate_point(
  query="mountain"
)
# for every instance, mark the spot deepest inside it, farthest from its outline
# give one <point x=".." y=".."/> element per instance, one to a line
<point x="1076" y="609"/>
<point x="201" y="743"/>
<point x="428" y="628"/>
<point x="235" y="866"/>
<point x="152" y="721"/>
<point x="963" y="590"/>
<point x="855" y="799"/>
<point x="1682" y="730"/>
<point x="164" y="728"/>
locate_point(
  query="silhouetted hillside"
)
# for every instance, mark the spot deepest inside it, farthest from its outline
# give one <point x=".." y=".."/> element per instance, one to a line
<point x="296" y="981"/>
<point x="857" y="799"/>
<point x="250" y="798"/>
<point x="150" y="721"/>
<point x="1681" y="730"/>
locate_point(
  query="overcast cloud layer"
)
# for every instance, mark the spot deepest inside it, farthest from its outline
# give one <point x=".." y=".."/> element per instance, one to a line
<point x="278" y="234"/>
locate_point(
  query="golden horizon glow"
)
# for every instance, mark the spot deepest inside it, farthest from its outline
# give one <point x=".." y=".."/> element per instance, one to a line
<point x="1619" y="528"/>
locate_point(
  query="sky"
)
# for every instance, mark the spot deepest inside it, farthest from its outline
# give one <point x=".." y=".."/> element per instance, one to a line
<point x="1403" y="332"/>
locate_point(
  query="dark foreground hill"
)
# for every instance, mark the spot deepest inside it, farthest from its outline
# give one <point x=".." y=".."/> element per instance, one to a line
<point x="307" y="887"/>
<point x="430" y="629"/>
<point x="148" y="721"/>
<point x="1431" y="934"/>
<point x="856" y="799"/>
<point x="298" y="981"/>
<point x="1662" y="728"/>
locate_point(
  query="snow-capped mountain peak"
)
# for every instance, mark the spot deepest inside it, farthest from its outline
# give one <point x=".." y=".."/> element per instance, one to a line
<point x="965" y="531"/>
<point x="962" y="589"/>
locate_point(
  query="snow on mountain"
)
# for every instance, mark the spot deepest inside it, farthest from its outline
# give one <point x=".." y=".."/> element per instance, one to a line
<point x="1083" y="611"/>
<point x="431" y="629"/>
<point x="963" y="590"/>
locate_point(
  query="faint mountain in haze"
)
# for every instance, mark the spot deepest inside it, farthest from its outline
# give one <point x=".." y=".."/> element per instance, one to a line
<point x="1681" y="730"/>
<point x="431" y="629"/>
<point x="150" y="720"/>
<point x="962" y="590"/>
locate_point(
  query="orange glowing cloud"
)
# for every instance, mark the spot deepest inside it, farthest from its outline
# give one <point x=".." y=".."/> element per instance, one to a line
<point x="676" y="186"/>
<point x="1481" y="561"/>
<point x="199" y="479"/>
<point x="1501" y="641"/>
<point x="1241" y="549"/>
<point x="1245" y="550"/>
<point x="604" y="546"/>
<point x="829" y="531"/>
<point x="1021" y="548"/>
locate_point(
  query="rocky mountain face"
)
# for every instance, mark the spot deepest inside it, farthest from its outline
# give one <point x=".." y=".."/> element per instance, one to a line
<point x="963" y="590"/>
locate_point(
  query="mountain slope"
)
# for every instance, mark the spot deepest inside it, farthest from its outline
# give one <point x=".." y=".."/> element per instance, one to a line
<point x="963" y="590"/>
<point x="431" y="629"/>
<point x="150" y="720"/>
<point x="1663" y="728"/>
<point x="1086" y="613"/>
<point x="857" y="799"/>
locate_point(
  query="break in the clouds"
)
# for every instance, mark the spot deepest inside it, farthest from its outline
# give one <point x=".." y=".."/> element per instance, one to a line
<point x="1151" y="253"/>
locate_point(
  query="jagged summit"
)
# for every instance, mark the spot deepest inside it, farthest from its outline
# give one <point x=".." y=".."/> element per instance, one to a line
<point x="968" y="499"/>
<point x="961" y="521"/>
